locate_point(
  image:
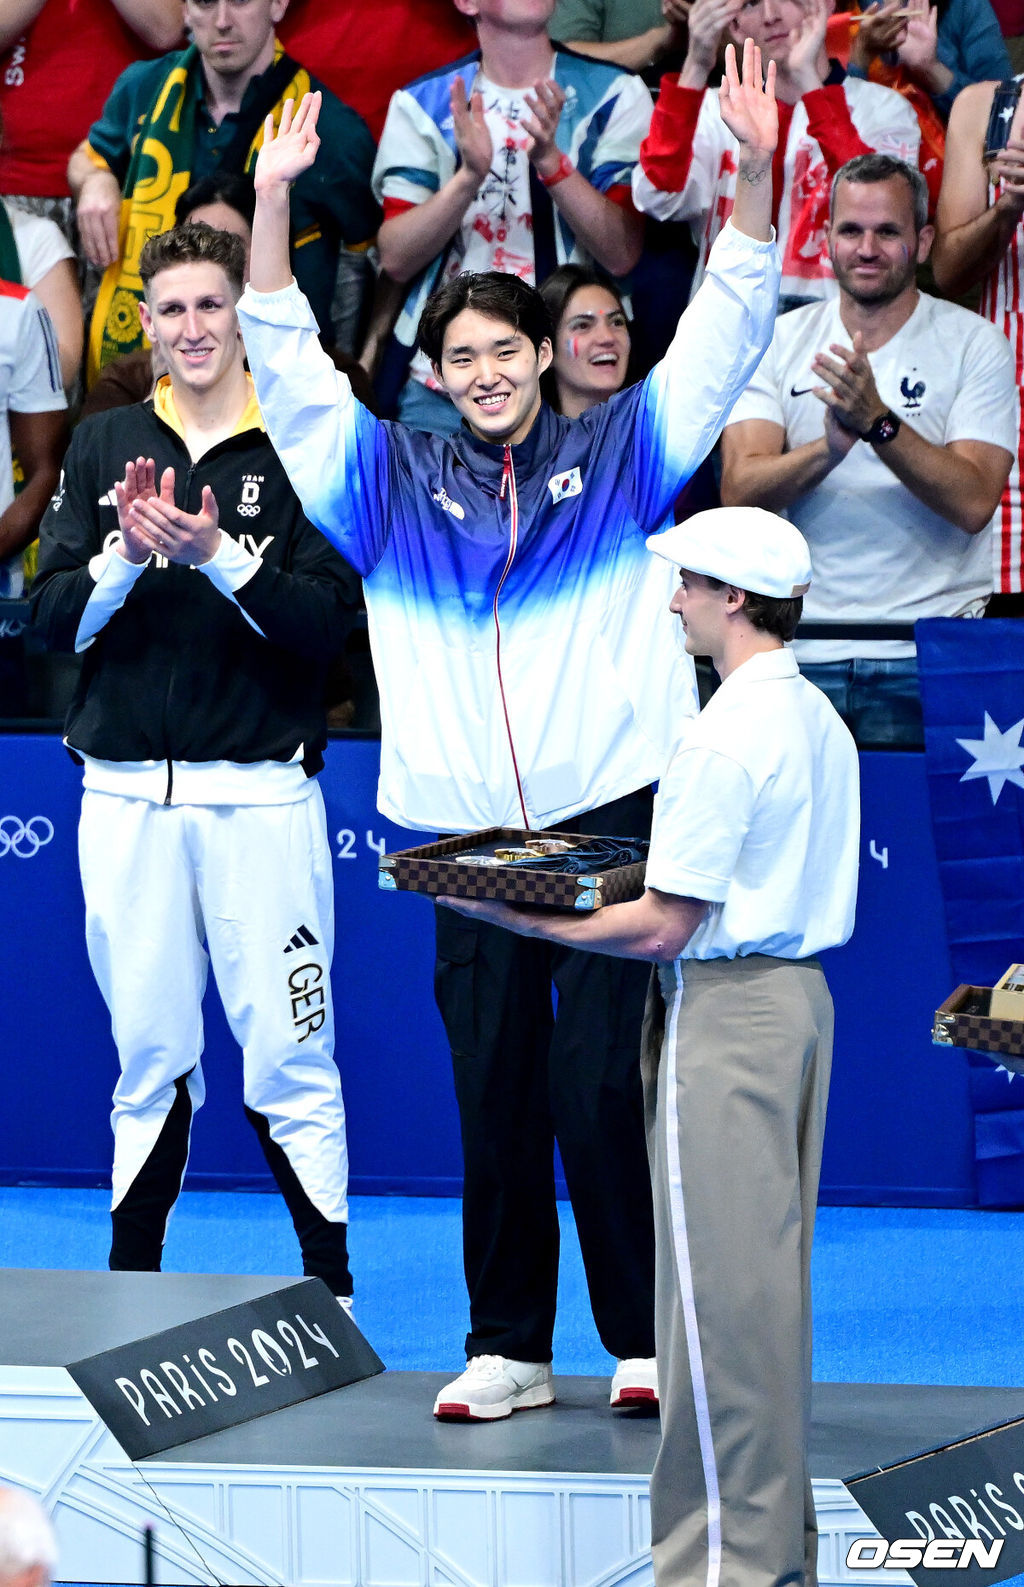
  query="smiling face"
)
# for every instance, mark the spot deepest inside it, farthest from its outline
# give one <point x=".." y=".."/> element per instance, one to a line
<point x="492" y="373"/>
<point x="188" y="314"/>
<point x="873" y="241"/>
<point x="234" y="37"/>
<point x="591" y="349"/>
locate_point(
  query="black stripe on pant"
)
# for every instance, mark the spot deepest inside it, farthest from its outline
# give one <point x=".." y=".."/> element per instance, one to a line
<point x="139" y="1222"/>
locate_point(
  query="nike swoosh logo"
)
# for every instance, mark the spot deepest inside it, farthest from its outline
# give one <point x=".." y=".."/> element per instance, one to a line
<point x="802" y="392"/>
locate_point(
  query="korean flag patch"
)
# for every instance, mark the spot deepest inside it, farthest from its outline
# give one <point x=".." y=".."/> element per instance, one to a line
<point x="563" y="485"/>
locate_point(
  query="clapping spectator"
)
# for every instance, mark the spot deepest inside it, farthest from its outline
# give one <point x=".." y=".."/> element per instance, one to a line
<point x="199" y="110"/>
<point x="883" y="424"/>
<point x="943" y="47"/>
<point x="688" y="161"/>
<point x="66" y="54"/>
<point x="479" y="169"/>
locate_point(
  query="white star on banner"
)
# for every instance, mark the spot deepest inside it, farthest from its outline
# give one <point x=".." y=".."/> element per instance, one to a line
<point x="1011" y="1074"/>
<point x="997" y="756"/>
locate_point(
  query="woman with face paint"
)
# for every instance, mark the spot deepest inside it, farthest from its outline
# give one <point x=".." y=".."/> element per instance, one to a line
<point x="591" y="339"/>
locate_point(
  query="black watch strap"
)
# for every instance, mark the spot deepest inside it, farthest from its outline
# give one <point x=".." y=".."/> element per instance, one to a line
<point x="885" y="428"/>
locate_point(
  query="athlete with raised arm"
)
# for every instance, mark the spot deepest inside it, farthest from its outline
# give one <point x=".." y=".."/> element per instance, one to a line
<point x="530" y="675"/>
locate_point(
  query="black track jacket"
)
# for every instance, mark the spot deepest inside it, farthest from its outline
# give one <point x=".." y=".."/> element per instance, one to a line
<point x="177" y="673"/>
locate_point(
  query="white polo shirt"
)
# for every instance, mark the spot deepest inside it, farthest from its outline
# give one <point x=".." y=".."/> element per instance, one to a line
<point x="878" y="552"/>
<point x="759" y="813"/>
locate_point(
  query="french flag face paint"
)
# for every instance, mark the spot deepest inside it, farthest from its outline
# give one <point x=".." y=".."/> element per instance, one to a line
<point x="593" y="347"/>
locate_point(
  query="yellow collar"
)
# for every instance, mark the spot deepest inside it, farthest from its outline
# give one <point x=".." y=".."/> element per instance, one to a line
<point x="166" y="409"/>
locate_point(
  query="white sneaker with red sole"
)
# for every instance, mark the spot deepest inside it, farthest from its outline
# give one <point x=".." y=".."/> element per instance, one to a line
<point x="492" y="1387"/>
<point x="635" y="1385"/>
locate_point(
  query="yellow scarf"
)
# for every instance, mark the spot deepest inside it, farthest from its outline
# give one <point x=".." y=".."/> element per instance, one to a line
<point x="158" y="173"/>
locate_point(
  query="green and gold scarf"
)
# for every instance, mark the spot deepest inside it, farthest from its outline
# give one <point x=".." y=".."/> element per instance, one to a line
<point x="159" y="171"/>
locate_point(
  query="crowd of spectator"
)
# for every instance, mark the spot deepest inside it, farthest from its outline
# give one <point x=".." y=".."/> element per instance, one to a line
<point x="579" y="145"/>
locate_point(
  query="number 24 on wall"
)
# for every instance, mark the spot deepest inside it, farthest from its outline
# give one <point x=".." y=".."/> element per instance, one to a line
<point x="346" y="844"/>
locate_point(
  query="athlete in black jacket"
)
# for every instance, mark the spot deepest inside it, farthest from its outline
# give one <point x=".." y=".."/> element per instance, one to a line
<point x="207" y="609"/>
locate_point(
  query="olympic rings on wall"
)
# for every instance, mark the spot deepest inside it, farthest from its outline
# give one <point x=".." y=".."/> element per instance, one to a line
<point x="24" y="839"/>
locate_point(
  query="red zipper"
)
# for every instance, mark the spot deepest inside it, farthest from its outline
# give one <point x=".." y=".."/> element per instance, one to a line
<point x="508" y="482"/>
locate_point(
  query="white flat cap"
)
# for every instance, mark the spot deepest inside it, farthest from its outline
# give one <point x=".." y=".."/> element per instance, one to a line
<point x="746" y="546"/>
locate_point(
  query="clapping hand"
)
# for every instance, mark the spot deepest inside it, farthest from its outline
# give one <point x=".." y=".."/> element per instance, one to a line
<point x="805" y="46"/>
<point x="139" y="484"/>
<point x="472" y="136"/>
<point x="155" y="524"/>
<point x="707" y="22"/>
<point x="919" y="46"/>
<point x="545" y="104"/>
<point x="849" y="391"/>
<point x="878" y="31"/>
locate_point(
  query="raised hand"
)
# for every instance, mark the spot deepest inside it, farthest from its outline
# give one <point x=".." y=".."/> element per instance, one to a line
<point x="545" y="102"/>
<point x="289" y="151"/>
<point x="472" y="136"/>
<point x="748" y="105"/>
<point x="803" y="62"/>
<point x="184" y="537"/>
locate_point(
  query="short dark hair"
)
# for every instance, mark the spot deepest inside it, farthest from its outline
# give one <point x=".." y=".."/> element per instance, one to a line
<point x="194" y="244"/>
<point x="568" y="279"/>
<point x="489" y="292"/>
<point x="220" y="187"/>
<point x="771" y="614"/>
<point x="875" y="167"/>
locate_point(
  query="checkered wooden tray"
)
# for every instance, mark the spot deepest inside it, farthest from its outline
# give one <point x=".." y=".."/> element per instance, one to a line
<point x="964" y="1021"/>
<point x="441" y="868"/>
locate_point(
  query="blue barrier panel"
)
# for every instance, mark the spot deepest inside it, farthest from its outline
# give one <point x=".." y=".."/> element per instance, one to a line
<point x="899" y="1127"/>
<point x="898" y="1123"/>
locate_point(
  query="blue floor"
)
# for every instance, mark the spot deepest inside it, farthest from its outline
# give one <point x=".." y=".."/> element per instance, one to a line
<point x="901" y="1296"/>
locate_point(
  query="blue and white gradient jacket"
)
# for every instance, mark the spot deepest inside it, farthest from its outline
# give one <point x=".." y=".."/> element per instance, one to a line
<point x="528" y="666"/>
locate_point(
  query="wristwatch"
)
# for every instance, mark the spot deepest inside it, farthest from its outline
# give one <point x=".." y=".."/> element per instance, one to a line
<point x="885" y="428"/>
<point x="563" y="169"/>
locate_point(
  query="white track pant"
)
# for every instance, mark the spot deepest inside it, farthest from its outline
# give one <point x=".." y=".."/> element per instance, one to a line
<point x="170" y="889"/>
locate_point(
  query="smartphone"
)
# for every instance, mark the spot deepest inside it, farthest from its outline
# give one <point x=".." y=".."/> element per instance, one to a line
<point x="1000" y="118"/>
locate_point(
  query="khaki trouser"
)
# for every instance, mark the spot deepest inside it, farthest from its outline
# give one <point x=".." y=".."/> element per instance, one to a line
<point x="736" y="1061"/>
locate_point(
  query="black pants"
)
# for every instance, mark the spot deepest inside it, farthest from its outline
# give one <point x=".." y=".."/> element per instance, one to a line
<point x="526" y="1076"/>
